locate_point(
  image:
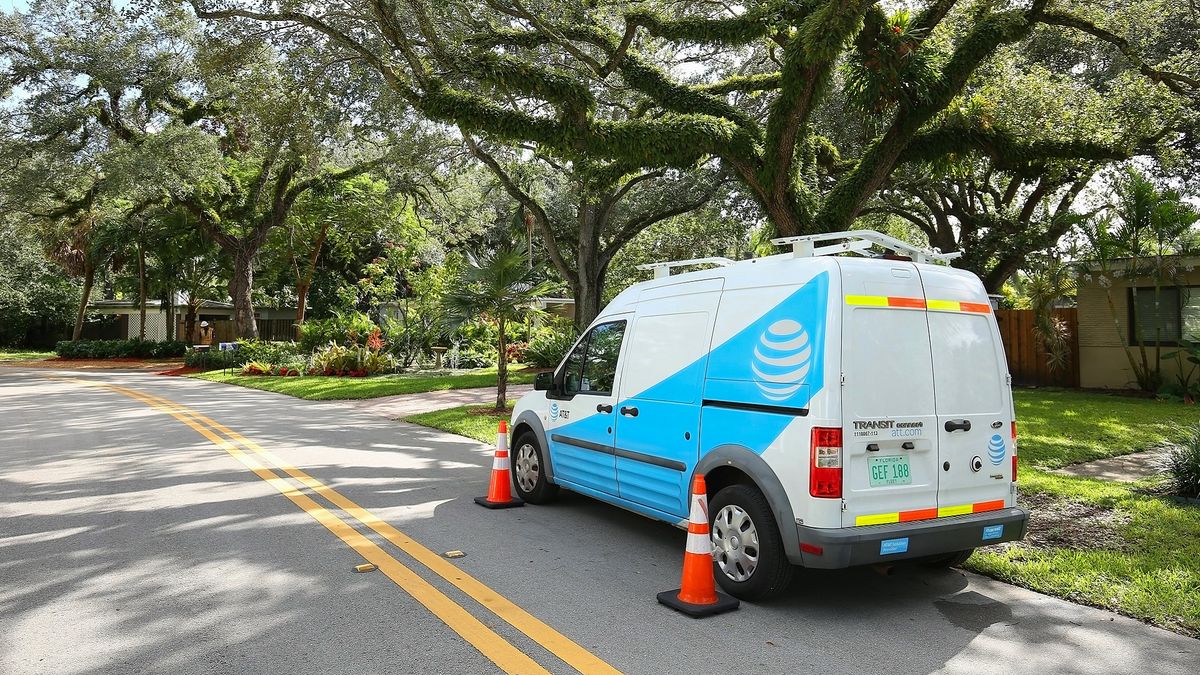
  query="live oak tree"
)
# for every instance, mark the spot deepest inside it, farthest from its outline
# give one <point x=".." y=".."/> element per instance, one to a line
<point x="540" y="73"/>
<point x="583" y="222"/>
<point x="231" y="129"/>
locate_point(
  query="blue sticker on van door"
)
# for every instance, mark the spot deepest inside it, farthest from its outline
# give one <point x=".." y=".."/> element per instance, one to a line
<point x="890" y="546"/>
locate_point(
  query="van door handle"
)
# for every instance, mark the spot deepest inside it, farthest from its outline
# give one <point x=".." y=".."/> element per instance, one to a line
<point x="629" y="412"/>
<point x="952" y="425"/>
<point x="601" y="408"/>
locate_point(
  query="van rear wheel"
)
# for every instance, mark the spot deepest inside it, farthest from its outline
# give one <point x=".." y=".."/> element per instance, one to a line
<point x="748" y="557"/>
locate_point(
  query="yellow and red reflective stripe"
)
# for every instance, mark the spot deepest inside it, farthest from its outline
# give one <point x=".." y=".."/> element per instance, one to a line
<point x="918" y="303"/>
<point x="928" y="514"/>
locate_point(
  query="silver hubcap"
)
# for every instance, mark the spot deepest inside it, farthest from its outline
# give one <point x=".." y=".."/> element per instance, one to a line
<point x="527" y="468"/>
<point x="735" y="543"/>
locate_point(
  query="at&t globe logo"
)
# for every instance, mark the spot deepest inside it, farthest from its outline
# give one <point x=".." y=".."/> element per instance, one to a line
<point x="782" y="359"/>
<point x="996" y="449"/>
<point x="554" y="411"/>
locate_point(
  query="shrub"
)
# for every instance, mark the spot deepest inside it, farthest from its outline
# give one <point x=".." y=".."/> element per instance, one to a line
<point x="548" y="347"/>
<point x="350" y="329"/>
<point x="213" y="359"/>
<point x="354" y="361"/>
<point x="268" y="352"/>
<point x="118" y="349"/>
<point x="515" y="352"/>
<point x="468" y="357"/>
<point x="1180" y="465"/>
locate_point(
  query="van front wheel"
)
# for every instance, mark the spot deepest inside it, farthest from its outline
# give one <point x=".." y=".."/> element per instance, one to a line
<point x="748" y="554"/>
<point x="529" y="471"/>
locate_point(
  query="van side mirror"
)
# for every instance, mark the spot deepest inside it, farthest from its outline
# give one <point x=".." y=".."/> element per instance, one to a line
<point x="543" y="381"/>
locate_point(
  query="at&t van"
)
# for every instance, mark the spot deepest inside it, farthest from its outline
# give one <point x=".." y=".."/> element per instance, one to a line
<point x="843" y="410"/>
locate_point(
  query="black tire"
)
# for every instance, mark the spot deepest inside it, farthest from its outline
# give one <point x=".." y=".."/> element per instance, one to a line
<point x="540" y="490"/>
<point x="772" y="572"/>
<point x="948" y="560"/>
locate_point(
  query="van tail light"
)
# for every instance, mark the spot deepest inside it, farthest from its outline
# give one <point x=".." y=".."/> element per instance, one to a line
<point x="825" y="475"/>
<point x="1014" y="451"/>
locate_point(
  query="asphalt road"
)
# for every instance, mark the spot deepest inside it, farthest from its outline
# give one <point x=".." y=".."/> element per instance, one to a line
<point x="173" y="525"/>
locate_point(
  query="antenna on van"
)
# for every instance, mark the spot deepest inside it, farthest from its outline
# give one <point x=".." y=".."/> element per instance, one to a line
<point x="663" y="269"/>
<point x="860" y="241"/>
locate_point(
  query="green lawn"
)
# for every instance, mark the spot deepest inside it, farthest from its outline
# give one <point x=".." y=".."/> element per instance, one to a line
<point x="23" y="355"/>
<point x="321" y="388"/>
<point x="472" y="421"/>
<point x="1056" y="427"/>
<point x="1110" y="545"/>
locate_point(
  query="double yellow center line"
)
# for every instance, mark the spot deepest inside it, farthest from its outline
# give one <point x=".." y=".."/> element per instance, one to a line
<point x="489" y="643"/>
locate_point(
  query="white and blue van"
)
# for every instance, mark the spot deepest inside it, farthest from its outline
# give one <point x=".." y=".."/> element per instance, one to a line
<point x="843" y="410"/>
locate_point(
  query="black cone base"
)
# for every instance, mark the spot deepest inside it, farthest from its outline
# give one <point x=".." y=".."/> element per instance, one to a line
<point x="483" y="501"/>
<point x="723" y="604"/>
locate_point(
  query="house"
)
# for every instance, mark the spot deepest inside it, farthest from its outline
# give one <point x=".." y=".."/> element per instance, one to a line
<point x="1103" y="337"/>
<point x="273" y="323"/>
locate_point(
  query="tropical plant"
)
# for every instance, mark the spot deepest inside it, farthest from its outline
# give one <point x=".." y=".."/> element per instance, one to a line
<point x="498" y="287"/>
<point x="1050" y="281"/>
<point x="1179" y="463"/>
<point x="1187" y="358"/>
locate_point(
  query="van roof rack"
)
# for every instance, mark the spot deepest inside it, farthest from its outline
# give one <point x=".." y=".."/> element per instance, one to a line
<point x="860" y="241"/>
<point x="663" y="269"/>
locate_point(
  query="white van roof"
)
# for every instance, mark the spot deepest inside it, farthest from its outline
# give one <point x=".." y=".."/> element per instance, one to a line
<point x="805" y="255"/>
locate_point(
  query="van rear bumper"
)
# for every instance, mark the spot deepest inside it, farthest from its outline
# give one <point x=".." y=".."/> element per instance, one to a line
<point x="850" y="546"/>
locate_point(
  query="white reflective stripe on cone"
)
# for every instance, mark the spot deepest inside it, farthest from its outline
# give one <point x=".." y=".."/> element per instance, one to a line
<point x="502" y="441"/>
<point x="699" y="543"/>
<point x="500" y="462"/>
<point x="699" y="512"/>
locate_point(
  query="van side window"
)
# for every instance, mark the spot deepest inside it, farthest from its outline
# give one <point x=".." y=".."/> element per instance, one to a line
<point x="599" y="361"/>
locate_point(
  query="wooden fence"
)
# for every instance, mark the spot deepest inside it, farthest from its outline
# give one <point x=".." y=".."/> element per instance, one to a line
<point x="1027" y="358"/>
<point x="268" y="329"/>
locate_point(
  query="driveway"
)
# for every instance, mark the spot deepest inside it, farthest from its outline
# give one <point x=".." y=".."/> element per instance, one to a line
<point x="149" y="525"/>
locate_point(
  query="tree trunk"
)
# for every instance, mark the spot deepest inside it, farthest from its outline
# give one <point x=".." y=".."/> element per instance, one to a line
<point x="141" y="292"/>
<point x="170" y="311"/>
<point x="241" y="284"/>
<point x="588" y="284"/>
<point x="89" y="278"/>
<point x="501" y="371"/>
<point x="189" y="321"/>
<point x="301" y="300"/>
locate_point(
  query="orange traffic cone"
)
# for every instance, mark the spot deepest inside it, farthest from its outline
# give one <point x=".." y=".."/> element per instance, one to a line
<point x="698" y="597"/>
<point x="499" y="494"/>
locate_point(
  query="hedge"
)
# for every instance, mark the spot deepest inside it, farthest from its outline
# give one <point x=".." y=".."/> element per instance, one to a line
<point x="119" y="349"/>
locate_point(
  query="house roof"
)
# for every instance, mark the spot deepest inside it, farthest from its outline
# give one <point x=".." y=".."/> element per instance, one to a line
<point x="1186" y="261"/>
<point x="153" y="304"/>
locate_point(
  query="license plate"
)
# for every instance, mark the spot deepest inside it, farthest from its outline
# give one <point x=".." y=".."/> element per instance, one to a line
<point x="890" y="470"/>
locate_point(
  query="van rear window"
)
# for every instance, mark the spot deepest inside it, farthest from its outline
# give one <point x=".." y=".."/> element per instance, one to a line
<point x="966" y="364"/>
<point x="886" y="360"/>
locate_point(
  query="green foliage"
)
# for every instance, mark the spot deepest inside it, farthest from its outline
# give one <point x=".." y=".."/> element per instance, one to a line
<point x="119" y="349"/>
<point x="353" y="361"/>
<point x="1180" y="465"/>
<point x="892" y="64"/>
<point x="549" y="345"/>
<point x="32" y="290"/>
<point x="275" y="353"/>
<point x="349" y="329"/>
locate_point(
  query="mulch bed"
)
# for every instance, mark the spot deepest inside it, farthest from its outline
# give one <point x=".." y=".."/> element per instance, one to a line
<point x="1063" y="523"/>
<point x="180" y="371"/>
<point x="489" y="410"/>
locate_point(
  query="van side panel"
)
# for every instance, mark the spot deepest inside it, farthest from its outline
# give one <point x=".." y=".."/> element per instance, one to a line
<point x="658" y="419"/>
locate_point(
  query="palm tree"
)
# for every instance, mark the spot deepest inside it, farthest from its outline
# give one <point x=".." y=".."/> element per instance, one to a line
<point x="498" y="287"/>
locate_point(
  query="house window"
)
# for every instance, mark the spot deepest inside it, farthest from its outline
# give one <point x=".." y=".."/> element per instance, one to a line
<point x="1164" y="317"/>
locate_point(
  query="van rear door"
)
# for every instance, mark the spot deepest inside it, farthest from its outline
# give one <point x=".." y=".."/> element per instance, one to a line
<point x="972" y="394"/>
<point x="890" y="459"/>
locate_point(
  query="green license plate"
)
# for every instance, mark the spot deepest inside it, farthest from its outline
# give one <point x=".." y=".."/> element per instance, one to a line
<point x="891" y="470"/>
